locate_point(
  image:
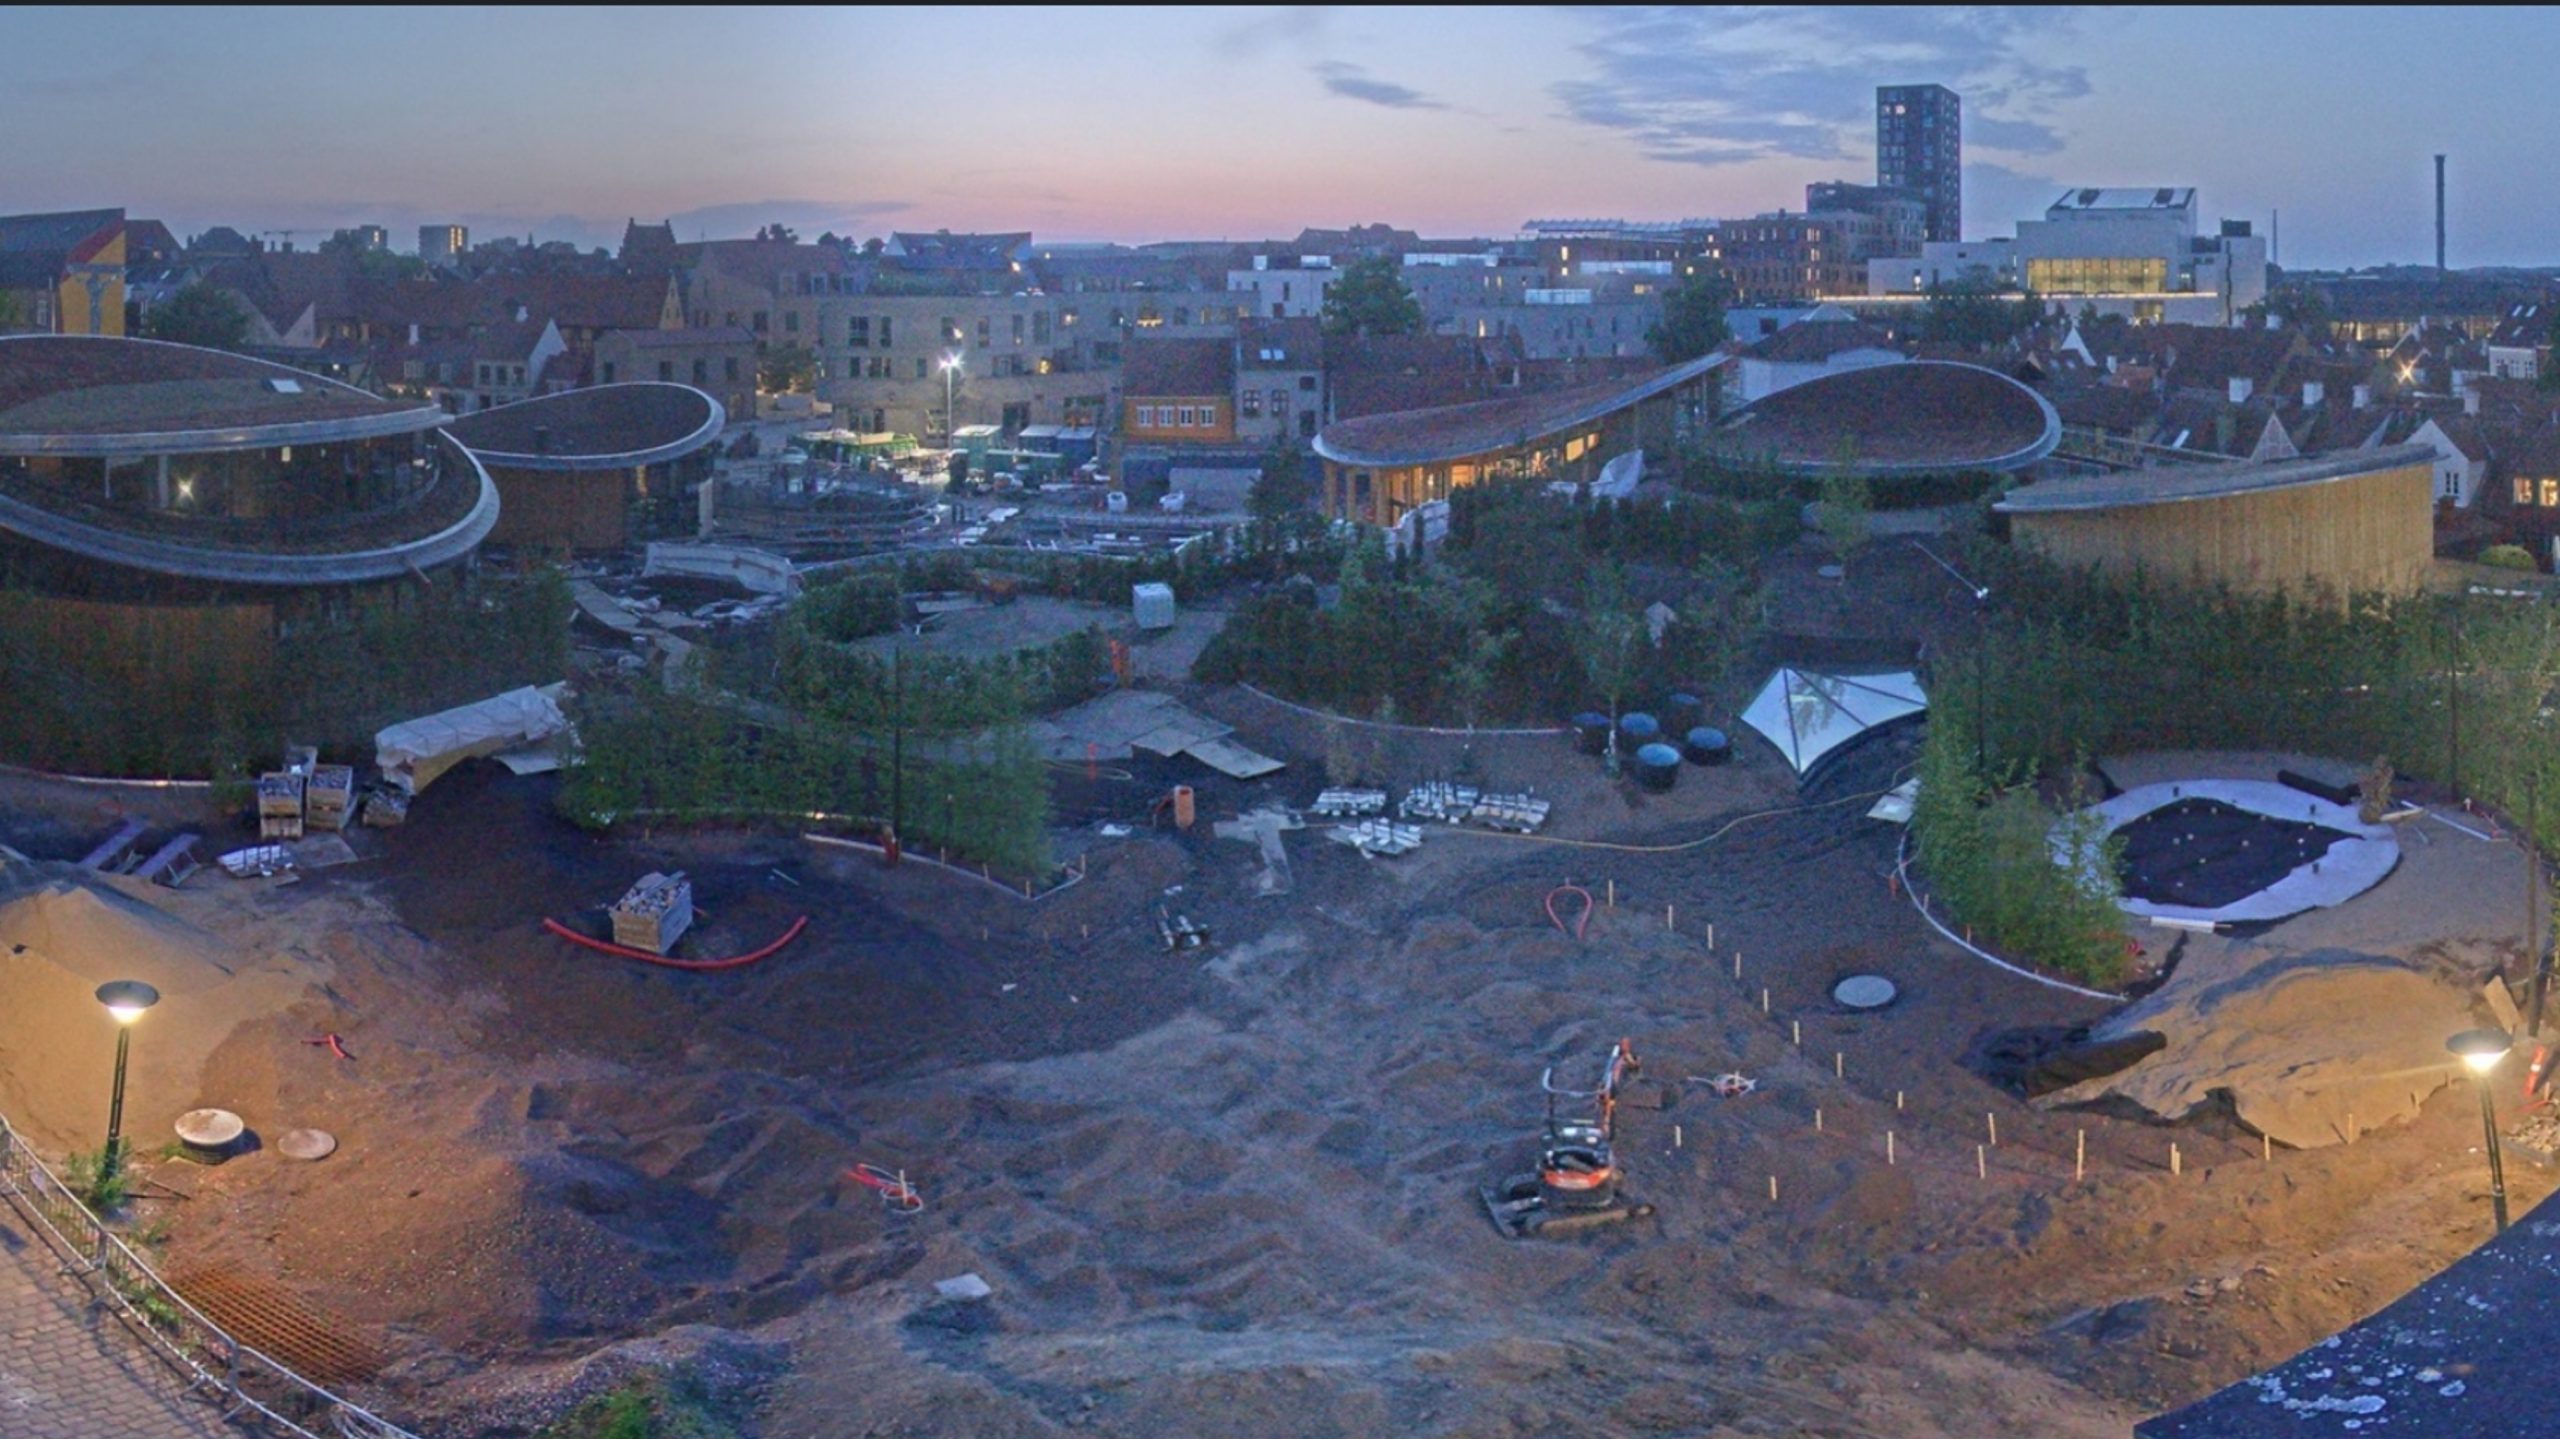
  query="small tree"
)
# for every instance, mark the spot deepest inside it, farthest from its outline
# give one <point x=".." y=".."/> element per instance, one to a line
<point x="1692" y="322"/>
<point x="1612" y="640"/>
<point x="1369" y="297"/>
<point x="787" y="370"/>
<point x="199" y="315"/>
<point x="1842" y="514"/>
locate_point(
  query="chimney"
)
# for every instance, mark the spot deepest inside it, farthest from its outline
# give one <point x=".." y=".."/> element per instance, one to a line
<point x="2241" y="388"/>
<point x="2313" y="392"/>
<point x="2111" y="364"/>
<point x="2364" y="397"/>
<point x="413" y="334"/>
<point x="2439" y="217"/>
<point x="2470" y="402"/>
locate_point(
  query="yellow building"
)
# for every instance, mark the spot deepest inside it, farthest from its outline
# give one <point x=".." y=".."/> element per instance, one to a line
<point x="64" y="272"/>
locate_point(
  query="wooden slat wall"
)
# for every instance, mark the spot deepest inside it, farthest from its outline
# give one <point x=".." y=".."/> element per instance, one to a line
<point x="2365" y="532"/>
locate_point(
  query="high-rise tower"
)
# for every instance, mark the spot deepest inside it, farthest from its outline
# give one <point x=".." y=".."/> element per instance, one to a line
<point x="1920" y="151"/>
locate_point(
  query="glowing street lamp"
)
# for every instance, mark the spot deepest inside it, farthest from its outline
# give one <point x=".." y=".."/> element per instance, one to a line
<point x="2481" y="1049"/>
<point x="126" y="999"/>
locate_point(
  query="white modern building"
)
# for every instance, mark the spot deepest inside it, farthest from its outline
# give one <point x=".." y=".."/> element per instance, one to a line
<point x="1276" y="293"/>
<point x="2131" y="252"/>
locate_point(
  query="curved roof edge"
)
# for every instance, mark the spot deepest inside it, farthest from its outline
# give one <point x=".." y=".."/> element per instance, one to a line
<point x="219" y="439"/>
<point x="2044" y="444"/>
<point x="243" y="567"/>
<point x="1513" y="434"/>
<point x="2170" y="487"/>
<point x="716" y="420"/>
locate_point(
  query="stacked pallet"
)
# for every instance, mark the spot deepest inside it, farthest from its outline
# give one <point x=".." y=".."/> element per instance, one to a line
<point x="654" y="913"/>
<point x="280" y="805"/>
<point x="1349" y="803"/>
<point x="329" y="797"/>
<point x="1440" y="800"/>
<point x="1378" y="836"/>
<point x="1521" y="813"/>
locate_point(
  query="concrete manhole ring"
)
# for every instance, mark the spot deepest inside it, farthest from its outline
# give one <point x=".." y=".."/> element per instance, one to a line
<point x="307" y="1144"/>
<point x="1864" y="992"/>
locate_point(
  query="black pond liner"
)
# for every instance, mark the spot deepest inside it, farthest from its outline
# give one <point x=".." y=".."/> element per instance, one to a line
<point x="2205" y="853"/>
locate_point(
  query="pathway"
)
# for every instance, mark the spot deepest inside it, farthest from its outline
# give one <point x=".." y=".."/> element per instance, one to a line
<point x="71" y="1371"/>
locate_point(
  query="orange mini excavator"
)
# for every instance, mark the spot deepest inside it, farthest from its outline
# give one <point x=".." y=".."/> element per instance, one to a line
<point x="1578" y="1184"/>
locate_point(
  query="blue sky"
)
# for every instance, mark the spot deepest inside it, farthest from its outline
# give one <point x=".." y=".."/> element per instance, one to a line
<point x="1135" y="125"/>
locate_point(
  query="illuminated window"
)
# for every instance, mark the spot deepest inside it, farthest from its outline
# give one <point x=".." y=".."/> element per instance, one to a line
<point x="2551" y="494"/>
<point x="2524" y="487"/>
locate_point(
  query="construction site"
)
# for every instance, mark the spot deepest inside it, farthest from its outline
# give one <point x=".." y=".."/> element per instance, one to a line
<point x="1235" y="1125"/>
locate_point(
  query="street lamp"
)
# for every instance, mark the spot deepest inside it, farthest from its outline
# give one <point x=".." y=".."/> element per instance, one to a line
<point x="126" y="999"/>
<point x="950" y="422"/>
<point x="2481" y="1049"/>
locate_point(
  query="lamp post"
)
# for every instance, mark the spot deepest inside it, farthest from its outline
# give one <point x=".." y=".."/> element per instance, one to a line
<point x="126" y="999"/>
<point x="2481" y="1049"/>
<point x="950" y="422"/>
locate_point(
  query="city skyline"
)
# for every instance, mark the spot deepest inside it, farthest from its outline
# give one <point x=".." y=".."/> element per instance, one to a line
<point x="1141" y="125"/>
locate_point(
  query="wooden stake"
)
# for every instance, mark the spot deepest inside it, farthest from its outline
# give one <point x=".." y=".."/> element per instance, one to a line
<point x="1817" y="1121"/>
<point x="1773" y="1189"/>
<point x="1839" y="1065"/>
<point x="1711" y="944"/>
<point x="1897" y="1101"/>
<point x="1737" y="954"/>
<point x="2177" y="1163"/>
<point x="2080" y="1157"/>
<point x="1764" y="1001"/>
<point x="1981" y="1162"/>
<point x="2266" y="1149"/>
<point x="1666" y="917"/>
<point x="1613" y="894"/>
<point x="2351" y="1126"/>
<point x="1888" y="1147"/>
<point x="1675" y="1136"/>
<point x="1795" y="1031"/>
<point x="1993" y="1121"/>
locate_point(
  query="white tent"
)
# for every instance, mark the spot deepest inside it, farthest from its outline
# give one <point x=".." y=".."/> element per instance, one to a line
<point x="1808" y="715"/>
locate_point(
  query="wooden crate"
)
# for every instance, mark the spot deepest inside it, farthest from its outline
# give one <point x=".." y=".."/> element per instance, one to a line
<point x="280" y="805"/>
<point x="654" y="913"/>
<point x="329" y="799"/>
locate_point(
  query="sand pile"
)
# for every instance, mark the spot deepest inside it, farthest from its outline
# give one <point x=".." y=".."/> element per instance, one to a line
<point x="61" y="936"/>
<point x="2311" y="1048"/>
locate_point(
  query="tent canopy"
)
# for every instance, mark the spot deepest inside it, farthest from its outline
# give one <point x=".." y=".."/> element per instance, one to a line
<point x="1808" y="715"/>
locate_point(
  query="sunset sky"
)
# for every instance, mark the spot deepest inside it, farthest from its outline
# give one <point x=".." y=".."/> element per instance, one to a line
<point x="1139" y="125"/>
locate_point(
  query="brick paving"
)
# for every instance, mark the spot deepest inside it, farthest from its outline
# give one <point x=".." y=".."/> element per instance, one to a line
<point x="69" y="1370"/>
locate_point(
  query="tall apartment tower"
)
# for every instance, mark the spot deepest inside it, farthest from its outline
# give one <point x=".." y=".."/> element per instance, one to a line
<point x="1920" y="151"/>
<point x="442" y="244"/>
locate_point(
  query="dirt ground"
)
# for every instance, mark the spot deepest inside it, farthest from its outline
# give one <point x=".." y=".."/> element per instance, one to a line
<point x="1240" y="1181"/>
<point x="1229" y="1190"/>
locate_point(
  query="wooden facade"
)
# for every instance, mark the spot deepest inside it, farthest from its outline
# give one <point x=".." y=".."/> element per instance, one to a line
<point x="564" y="510"/>
<point x="1384" y="494"/>
<point x="2372" y="531"/>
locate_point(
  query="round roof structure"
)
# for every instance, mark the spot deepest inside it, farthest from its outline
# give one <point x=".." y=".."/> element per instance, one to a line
<point x="95" y="395"/>
<point x="1457" y="432"/>
<point x="603" y="427"/>
<point x="1917" y="417"/>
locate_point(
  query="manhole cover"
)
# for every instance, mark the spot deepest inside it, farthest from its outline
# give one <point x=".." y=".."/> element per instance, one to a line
<point x="209" y="1128"/>
<point x="307" y="1144"/>
<point x="1864" y="991"/>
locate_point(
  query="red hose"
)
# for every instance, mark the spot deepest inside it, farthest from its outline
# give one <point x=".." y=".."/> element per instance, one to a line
<point x="1587" y="906"/>
<point x="697" y="965"/>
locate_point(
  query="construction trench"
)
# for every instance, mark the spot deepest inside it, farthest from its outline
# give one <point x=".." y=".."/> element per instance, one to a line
<point x="1245" y="1175"/>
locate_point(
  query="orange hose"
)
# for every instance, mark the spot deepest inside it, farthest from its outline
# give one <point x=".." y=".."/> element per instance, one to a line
<point x="625" y="951"/>
<point x="1587" y="906"/>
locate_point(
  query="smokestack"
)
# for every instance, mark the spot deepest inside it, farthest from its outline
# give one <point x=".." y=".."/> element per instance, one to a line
<point x="2439" y="217"/>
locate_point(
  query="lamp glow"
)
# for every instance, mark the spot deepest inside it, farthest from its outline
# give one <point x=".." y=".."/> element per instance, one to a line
<point x="126" y="999"/>
<point x="2481" y="1049"/>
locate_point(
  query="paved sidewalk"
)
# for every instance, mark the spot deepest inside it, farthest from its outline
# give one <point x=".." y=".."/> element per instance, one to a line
<point x="69" y="1371"/>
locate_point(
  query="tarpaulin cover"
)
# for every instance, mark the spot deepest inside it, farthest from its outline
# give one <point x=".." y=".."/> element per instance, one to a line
<point x="414" y="752"/>
<point x="1808" y="715"/>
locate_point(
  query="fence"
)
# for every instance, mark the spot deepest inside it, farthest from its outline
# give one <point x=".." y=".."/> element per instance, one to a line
<point x="253" y="1389"/>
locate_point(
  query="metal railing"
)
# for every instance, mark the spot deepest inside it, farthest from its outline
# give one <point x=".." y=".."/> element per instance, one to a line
<point x="252" y="1389"/>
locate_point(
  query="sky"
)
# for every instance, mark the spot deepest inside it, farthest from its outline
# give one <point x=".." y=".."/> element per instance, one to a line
<point x="1134" y="125"/>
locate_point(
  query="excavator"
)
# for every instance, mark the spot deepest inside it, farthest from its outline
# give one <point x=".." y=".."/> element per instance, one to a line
<point x="1578" y="1184"/>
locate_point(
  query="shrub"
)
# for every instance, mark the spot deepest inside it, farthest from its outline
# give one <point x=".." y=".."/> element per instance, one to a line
<point x="2508" y="557"/>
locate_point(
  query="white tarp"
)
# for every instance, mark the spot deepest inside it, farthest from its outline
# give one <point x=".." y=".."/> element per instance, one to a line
<point x="1619" y="478"/>
<point x="414" y="752"/>
<point x="1808" y="715"/>
<point x="759" y="571"/>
